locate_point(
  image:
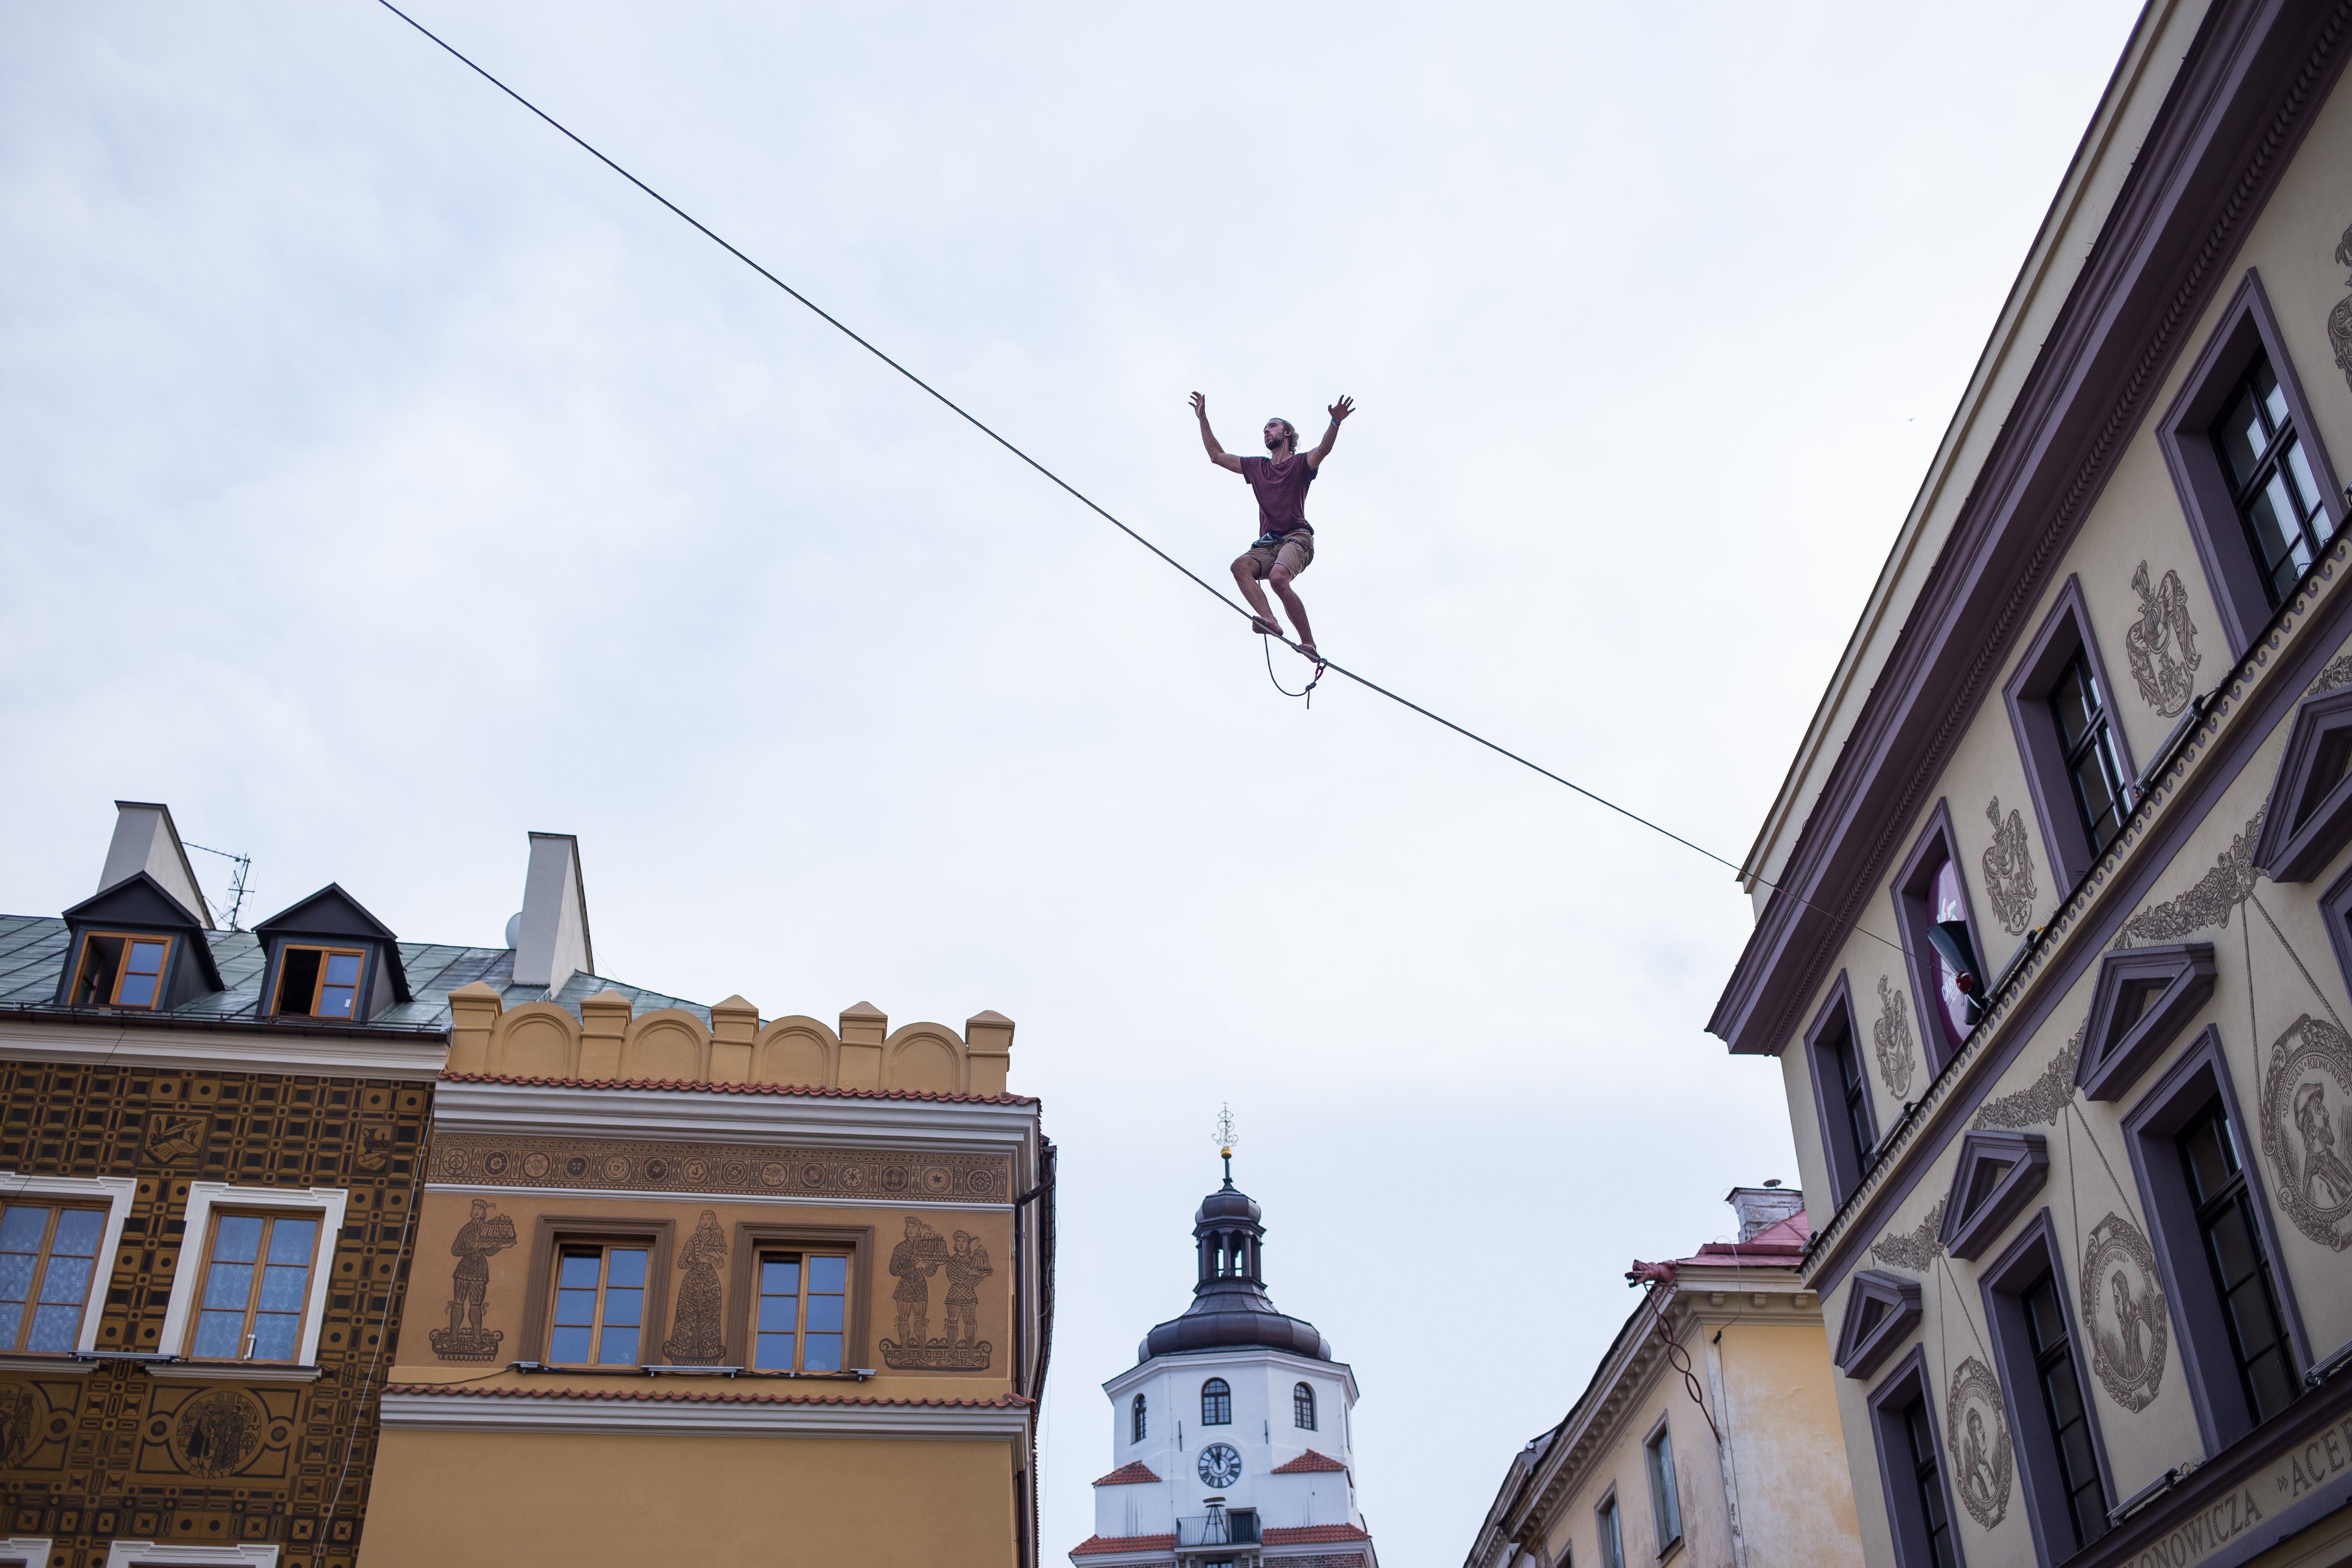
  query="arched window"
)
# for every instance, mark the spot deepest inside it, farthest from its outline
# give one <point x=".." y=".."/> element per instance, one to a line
<point x="1138" y="1420"/>
<point x="1302" y="1407"/>
<point x="1216" y="1403"/>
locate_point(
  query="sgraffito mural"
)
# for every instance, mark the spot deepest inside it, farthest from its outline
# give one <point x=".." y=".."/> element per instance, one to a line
<point x="2306" y="1119"/>
<point x="2339" y="319"/>
<point x="2206" y="904"/>
<point x="1917" y="1248"/>
<point x="1976" y="1425"/>
<point x="1890" y="1038"/>
<point x="698" y="1335"/>
<point x="618" y="1164"/>
<point x="2162" y="644"/>
<point x="2124" y="1312"/>
<point x="2009" y="870"/>
<point x="480" y="1238"/>
<point x="915" y="1261"/>
<point x="2041" y="1102"/>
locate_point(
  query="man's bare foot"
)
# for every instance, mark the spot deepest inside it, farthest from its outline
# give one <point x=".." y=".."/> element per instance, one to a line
<point x="1309" y="649"/>
<point x="1265" y="627"/>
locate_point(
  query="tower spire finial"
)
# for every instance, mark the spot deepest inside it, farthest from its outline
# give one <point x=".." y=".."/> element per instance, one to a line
<point x="1226" y="1142"/>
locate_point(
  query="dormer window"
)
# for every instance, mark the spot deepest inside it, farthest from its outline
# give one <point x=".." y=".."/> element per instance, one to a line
<point x="319" y="981"/>
<point x="118" y="970"/>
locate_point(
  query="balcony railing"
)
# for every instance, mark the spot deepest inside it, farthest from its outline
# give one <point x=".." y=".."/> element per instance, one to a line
<point x="1220" y="1528"/>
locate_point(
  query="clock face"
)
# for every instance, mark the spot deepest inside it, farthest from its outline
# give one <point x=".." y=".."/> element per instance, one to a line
<point x="1221" y="1464"/>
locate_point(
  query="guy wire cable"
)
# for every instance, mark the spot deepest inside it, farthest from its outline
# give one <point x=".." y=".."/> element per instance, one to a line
<point x="1080" y="496"/>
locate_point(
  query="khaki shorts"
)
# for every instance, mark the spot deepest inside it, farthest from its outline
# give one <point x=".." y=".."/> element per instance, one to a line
<point x="1296" y="552"/>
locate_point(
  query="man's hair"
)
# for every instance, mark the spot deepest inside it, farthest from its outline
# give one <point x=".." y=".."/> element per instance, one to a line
<point x="1288" y="429"/>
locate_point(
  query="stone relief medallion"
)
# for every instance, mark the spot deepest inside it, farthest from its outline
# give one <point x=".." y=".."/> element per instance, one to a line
<point x="2162" y="644"/>
<point x="1891" y="1037"/>
<point x="494" y="1164"/>
<point x="697" y="1170"/>
<point x="2009" y="870"/>
<point x="1915" y="1249"/>
<point x="452" y="1163"/>
<point x="216" y="1431"/>
<point x="616" y="1168"/>
<point x="536" y="1166"/>
<point x="2123" y="1313"/>
<point x="2307" y="1128"/>
<point x="21" y="1409"/>
<point x="2339" y="319"/>
<point x="1976" y="1428"/>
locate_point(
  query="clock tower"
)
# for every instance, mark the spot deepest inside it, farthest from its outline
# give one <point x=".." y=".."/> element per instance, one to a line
<point x="1232" y="1439"/>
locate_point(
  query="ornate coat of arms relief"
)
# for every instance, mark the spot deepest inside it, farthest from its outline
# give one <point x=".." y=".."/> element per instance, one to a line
<point x="2009" y="870"/>
<point x="2339" y="319"/>
<point x="1891" y="1035"/>
<point x="2162" y="644"/>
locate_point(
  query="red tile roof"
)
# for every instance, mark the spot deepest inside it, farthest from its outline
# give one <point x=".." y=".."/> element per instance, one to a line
<point x="648" y="1395"/>
<point x="1783" y="1244"/>
<point x="1304" y="1533"/>
<point x="1309" y="1460"/>
<point x="682" y="1085"/>
<point x="1093" y="1545"/>
<point x="1129" y="1474"/>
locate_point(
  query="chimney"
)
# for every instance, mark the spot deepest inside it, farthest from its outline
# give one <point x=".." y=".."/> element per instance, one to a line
<point x="550" y="936"/>
<point x="1762" y="1208"/>
<point x="145" y="840"/>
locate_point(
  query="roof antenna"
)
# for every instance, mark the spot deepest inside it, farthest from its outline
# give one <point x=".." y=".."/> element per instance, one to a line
<point x="1225" y="1140"/>
<point x="236" y="879"/>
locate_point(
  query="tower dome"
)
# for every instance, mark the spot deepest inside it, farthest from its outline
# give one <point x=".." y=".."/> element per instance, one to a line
<point x="1230" y="1307"/>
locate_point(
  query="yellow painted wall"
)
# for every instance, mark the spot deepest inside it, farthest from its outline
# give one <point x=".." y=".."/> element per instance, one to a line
<point x="456" y="1499"/>
<point x="1787" y="1445"/>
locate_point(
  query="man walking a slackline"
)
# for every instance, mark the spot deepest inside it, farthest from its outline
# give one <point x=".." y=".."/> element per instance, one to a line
<point x="1285" y="540"/>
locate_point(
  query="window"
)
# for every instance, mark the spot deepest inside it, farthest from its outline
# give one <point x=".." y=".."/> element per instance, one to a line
<point x="121" y="971"/>
<point x="2308" y="820"/>
<point x="1931" y="910"/>
<point x="2271" y="482"/>
<point x="803" y="1313"/>
<point x="1216" y="1403"/>
<point x="1927" y="1485"/>
<point x="600" y="1304"/>
<point x="2061" y="1387"/>
<point x="319" y="981"/>
<point x="2239" y="1264"/>
<point x="1612" y="1537"/>
<point x="2253" y="479"/>
<point x="1302" y="1407"/>
<point x="256" y="1288"/>
<point x="1138" y="1421"/>
<point x="48" y="1256"/>
<point x="1840" y="1093"/>
<point x="1910" y="1463"/>
<point x="2242" y="1342"/>
<point x="2078" y="762"/>
<point x="1665" y="1507"/>
<point x="2102" y="790"/>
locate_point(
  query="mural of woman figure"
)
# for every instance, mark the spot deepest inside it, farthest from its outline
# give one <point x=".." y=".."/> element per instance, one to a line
<point x="2326" y="1181"/>
<point x="2133" y="1362"/>
<point x="696" y="1338"/>
<point x="1976" y="1461"/>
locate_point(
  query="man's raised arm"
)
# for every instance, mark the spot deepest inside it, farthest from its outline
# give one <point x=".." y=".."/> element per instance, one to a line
<point x="1337" y="412"/>
<point x="1217" y="454"/>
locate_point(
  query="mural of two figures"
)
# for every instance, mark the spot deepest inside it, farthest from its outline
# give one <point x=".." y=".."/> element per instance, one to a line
<point x="481" y="1238"/>
<point x="913" y="1261"/>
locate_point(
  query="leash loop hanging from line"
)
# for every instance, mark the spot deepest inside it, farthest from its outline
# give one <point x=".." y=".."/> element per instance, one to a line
<point x="1266" y="642"/>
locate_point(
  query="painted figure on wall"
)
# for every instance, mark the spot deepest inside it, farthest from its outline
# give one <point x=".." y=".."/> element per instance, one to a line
<point x="2305" y="1089"/>
<point x="913" y="1261"/>
<point x="2326" y="1182"/>
<point x="2124" y="1312"/>
<point x="1987" y="1462"/>
<point x="480" y="1238"/>
<point x="696" y="1337"/>
<point x="965" y="1269"/>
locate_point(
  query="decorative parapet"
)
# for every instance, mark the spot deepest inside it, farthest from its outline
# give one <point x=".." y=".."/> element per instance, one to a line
<point x="610" y="1042"/>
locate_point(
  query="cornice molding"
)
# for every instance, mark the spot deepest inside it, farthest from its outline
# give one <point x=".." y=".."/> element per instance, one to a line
<point x="259" y="1050"/>
<point x="412" y="1408"/>
<point x="545" y="1110"/>
<point x="2209" y="163"/>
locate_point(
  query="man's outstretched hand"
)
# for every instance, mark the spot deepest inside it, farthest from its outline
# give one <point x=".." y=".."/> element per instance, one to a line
<point x="1338" y="411"/>
<point x="1201" y="406"/>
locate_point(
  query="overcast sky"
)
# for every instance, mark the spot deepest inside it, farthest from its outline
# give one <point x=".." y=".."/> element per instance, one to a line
<point x="380" y="479"/>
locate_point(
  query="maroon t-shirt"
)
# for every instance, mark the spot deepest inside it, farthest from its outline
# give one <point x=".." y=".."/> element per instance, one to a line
<point x="1281" y="492"/>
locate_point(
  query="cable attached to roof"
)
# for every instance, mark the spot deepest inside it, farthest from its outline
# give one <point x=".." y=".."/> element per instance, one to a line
<point x="1083" y="499"/>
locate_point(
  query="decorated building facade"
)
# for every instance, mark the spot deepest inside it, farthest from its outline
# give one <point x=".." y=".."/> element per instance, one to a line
<point x="2054" y="907"/>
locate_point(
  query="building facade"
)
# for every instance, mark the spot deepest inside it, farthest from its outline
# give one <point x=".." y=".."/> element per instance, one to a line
<point x="2054" y="907"/>
<point x="700" y="1286"/>
<point x="1709" y="1434"/>
<point x="1233" y="1434"/>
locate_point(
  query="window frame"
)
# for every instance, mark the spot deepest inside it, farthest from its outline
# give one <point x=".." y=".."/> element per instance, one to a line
<point x="1667" y="1504"/>
<point x="269" y="1216"/>
<point x="603" y="1249"/>
<point x="749" y="1237"/>
<point x="1846" y="1165"/>
<point x="1138" y="1419"/>
<point x="1912" y="920"/>
<point x="2208" y="1362"/>
<point x="1889" y="1405"/>
<point x="1302" y="1404"/>
<point x="2004" y="1284"/>
<point x="1609" y="1529"/>
<point x="2335" y="911"/>
<point x="1225" y="1393"/>
<point x="114" y="992"/>
<point x="117" y="1194"/>
<point x="358" y="1015"/>
<point x="548" y="1233"/>
<point x="2041" y="743"/>
<point x="2245" y="326"/>
<point x="179" y="1315"/>
<point x="803" y="1254"/>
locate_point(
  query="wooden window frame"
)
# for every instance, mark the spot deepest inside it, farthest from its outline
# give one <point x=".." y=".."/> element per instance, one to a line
<point x="116" y="1193"/>
<point x="114" y="992"/>
<point x="1302" y="1403"/>
<point x="270" y="1214"/>
<point x="1890" y="1404"/>
<point x="327" y="1203"/>
<point x="2035" y="1256"/>
<point x="1138" y="1419"/>
<point x="1227" y="1397"/>
<point x="1609" y="1530"/>
<point x="1665" y="1490"/>
<point x="753" y="1296"/>
<point x="603" y="1249"/>
<point x="41" y="1259"/>
<point x="359" y="989"/>
<point x="743" y="1296"/>
<point x="1846" y="1165"/>
<point x="549" y="1235"/>
<point x="2065" y="636"/>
